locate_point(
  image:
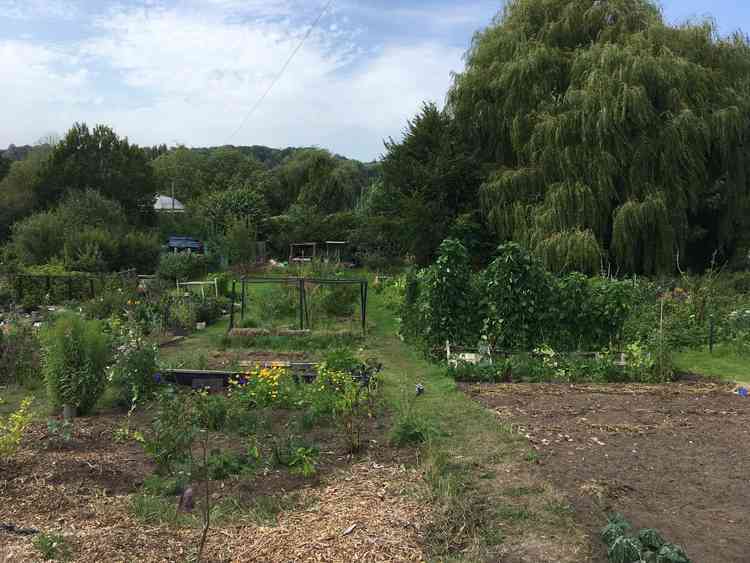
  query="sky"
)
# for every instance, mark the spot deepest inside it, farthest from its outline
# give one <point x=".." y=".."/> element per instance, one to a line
<point x="193" y="71"/>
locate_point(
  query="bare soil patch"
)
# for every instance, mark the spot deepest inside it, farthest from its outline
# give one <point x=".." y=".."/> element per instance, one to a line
<point x="673" y="457"/>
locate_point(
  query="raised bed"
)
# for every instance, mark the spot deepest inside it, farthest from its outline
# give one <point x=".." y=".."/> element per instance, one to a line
<point x="198" y="379"/>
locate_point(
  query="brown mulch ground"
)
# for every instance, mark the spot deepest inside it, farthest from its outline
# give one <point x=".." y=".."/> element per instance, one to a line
<point x="673" y="457"/>
<point x="354" y="510"/>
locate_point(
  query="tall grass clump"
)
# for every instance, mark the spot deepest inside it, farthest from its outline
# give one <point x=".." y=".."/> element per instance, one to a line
<point x="75" y="357"/>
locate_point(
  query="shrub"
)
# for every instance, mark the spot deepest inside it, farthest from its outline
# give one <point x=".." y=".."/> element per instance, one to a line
<point x="12" y="430"/>
<point x="76" y="353"/>
<point x="445" y="305"/>
<point x="108" y="304"/>
<point x="19" y="355"/>
<point x="341" y="360"/>
<point x="174" y="429"/>
<point x="139" y="250"/>
<point x="212" y="411"/>
<point x="135" y="363"/>
<point x="182" y="266"/>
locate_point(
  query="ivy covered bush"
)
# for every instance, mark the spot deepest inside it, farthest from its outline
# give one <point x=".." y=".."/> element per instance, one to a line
<point x="514" y="304"/>
<point x="75" y="356"/>
<point x="442" y="302"/>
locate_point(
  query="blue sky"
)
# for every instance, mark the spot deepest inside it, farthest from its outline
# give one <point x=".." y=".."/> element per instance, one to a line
<point x="189" y="71"/>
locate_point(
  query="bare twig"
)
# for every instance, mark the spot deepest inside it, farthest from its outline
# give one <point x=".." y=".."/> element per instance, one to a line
<point x="207" y="503"/>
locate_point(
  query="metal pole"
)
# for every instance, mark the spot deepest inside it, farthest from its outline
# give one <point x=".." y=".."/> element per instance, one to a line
<point x="242" y="314"/>
<point x="91" y="287"/>
<point x="302" y="304"/>
<point x="362" y="306"/>
<point x="231" y="307"/>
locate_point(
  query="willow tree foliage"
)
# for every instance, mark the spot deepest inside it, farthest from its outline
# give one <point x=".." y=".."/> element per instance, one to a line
<point x="608" y="136"/>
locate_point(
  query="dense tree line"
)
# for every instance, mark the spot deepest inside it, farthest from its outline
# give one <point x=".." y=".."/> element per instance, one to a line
<point x="86" y="201"/>
<point x="589" y="131"/>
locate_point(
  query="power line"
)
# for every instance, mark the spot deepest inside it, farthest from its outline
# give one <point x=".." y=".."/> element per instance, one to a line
<point x="281" y="72"/>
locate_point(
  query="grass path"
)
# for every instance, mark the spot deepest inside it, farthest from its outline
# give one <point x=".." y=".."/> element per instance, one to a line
<point x="489" y="501"/>
<point x="723" y="364"/>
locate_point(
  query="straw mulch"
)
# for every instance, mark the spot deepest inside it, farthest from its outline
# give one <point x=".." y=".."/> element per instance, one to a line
<point x="364" y="512"/>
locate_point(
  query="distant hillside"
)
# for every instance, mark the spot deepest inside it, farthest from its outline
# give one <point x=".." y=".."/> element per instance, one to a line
<point x="273" y="157"/>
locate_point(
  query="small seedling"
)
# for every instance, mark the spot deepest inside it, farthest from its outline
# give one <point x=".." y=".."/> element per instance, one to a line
<point x="59" y="431"/>
<point x="52" y="547"/>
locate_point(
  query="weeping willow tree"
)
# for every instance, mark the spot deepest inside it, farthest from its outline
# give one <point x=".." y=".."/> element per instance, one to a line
<point x="610" y="137"/>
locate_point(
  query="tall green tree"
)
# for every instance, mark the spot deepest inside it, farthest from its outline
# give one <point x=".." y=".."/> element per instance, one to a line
<point x="607" y="135"/>
<point x="17" y="188"/>
<point x="98" y="159"/>
<point x="429" y="179"/>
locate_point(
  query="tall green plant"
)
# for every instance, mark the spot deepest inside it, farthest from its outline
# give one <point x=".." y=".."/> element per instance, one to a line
<point x="448" y="305"/>
<point x="75" y="356"/>
<point x="517" y="296"/>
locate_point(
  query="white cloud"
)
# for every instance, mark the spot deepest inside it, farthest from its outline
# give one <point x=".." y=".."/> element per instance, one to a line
<point x="40" y="90"/>
<point x="191" y="75"/>
<point x="29" y="9"/>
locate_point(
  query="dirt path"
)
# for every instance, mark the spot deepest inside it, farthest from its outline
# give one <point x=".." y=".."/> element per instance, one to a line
<point x="676" y="458"/>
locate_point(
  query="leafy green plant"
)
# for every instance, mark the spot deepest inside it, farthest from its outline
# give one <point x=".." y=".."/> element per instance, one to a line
<point x="59" y="431"/>
<point x="303" y="461"/>
<point x="183" y="314"/>
<point x="212" y="411"/>
<point x="52" y="547"/>
<point x="482" y="372"/>
<point x="182" y="266"/>
<point x="173" y="431"/>
<point x="445" y="305"/>
<point x="517" y="296"/>
<point x="13" y="429"/>
<point x="625" y="549"/>
<point x="341" y="360"/>
<point x="135" y="363"/>
<point x="76" y="354"/>
<point x="647" y="545"/>
<point x="221" y="464"/>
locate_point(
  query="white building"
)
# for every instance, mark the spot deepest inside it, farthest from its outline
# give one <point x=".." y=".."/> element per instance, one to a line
<point x="166" y="204"/>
